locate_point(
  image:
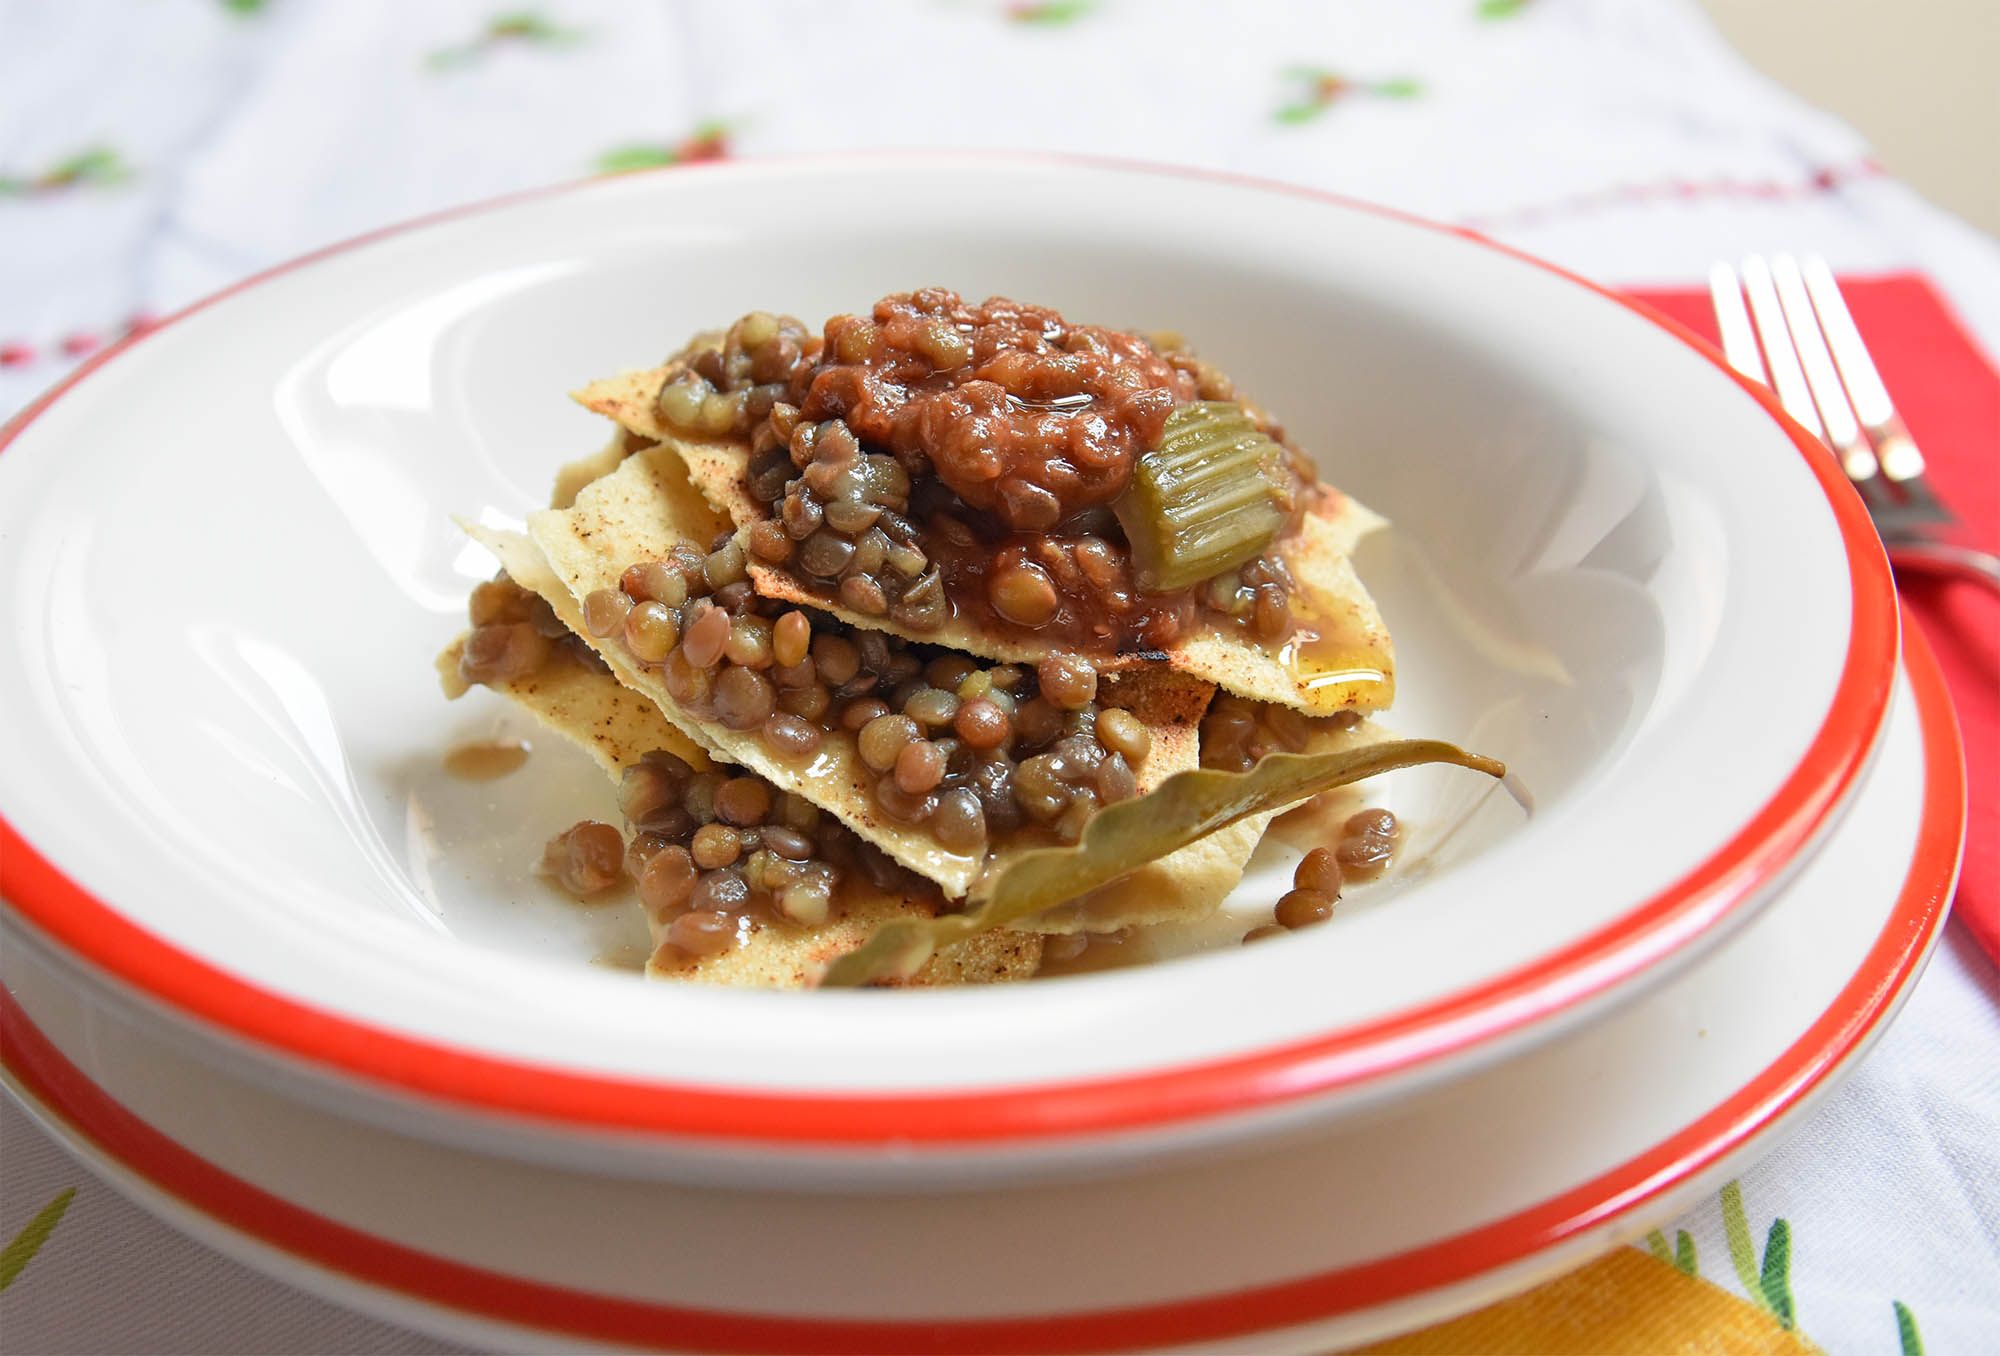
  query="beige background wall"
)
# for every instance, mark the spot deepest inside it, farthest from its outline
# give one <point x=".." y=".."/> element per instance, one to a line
<point x="1919" y="78"/>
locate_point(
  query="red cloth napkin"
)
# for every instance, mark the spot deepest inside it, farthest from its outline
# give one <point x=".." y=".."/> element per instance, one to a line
<point x="1948" y="392"/>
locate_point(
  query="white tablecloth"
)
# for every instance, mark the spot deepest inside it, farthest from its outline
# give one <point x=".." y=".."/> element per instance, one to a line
<point x="150" y="153"/>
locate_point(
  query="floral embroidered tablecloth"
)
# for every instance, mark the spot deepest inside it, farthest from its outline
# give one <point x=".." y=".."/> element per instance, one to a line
<point x="152" y="153"/>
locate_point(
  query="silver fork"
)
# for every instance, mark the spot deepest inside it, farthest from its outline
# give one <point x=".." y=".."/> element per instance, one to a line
<point x="1812" y="357"/>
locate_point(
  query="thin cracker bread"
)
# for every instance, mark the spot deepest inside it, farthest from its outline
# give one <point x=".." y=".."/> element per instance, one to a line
<point x="1351" y="668"/>
<point x="574" y="475"/>
<point x="646" y="507"/>
<point x="616" y="727"/>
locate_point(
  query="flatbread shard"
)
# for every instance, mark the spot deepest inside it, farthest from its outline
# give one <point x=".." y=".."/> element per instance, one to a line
<point x="648" y="505"/>
<point x="574" y="475"/>
<point x="1340" y="659"/>
<point x="616" y="727"/>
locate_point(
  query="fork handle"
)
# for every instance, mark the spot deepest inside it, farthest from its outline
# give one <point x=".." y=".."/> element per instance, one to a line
<point x="1962" y="561"/>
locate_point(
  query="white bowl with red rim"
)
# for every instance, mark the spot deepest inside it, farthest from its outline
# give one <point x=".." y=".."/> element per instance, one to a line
<point x="229" y="556"/>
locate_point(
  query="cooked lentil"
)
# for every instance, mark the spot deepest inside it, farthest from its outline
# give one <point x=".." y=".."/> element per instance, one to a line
<point x="585" y="859"/>
<point x="1318" y="871"/>
<point x="1367" y="842"/>
<point x="1303" y="908"/>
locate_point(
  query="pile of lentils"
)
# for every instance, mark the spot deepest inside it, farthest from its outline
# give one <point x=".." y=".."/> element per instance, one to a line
<point x="716" y="855"/>
<point x="1237" y="733"/>
<point x="514" y="632"/>
<point x="936" y="456"/>
<point x="970" y="753"/>
<point x="841" y="517"/>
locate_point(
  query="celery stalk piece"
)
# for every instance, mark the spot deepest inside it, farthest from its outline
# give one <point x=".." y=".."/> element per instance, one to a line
<point x="1208" y="498"/>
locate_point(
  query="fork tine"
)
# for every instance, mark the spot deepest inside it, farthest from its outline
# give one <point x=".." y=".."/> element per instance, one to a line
<point x="1857" y="369"/>
<point x="1901" y="462"/>
<point x="1843" y="433"/>
<point x="1786" y="378"/>
<point x="1739" y="344"/>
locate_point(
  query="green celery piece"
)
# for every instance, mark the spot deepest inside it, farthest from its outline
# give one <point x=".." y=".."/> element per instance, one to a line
<point x="1122" y="837"/>
<point x="1205" y="500"/>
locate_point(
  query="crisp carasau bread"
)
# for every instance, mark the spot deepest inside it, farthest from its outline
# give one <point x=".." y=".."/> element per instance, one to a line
<point x="617" y="727"/>
<point x="640" y="512"/>
<point x="1352" y="666"/>
<point x="574" y="475"/>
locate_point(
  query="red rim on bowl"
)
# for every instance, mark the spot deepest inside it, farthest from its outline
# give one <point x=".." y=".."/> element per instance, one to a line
<point x="1739" y="871"/>
<point x="1839" y="1034"/>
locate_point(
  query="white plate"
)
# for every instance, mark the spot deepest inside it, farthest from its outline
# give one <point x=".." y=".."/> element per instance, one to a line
<point x="228" y="561"/>
<point x="1446" y="1201"/>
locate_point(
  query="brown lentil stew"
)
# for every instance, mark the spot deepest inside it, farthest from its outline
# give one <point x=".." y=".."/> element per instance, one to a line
<point x="970" y="752"/>
<point x="937" y="458"/>
<point x="717" y="855"/>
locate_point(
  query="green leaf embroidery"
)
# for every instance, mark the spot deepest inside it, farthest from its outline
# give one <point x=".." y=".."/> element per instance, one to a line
<point x="244" y="6"/>
<point x="1742" y="1255"/>
<point x="1050" y="13"/>
<point x="528" y="25"/>
<point x="1319" y="89"/>
<point x="99" y="164"/>
<point x="1684" y="1255"/>
<point x="19" y="1252"/>
<point x="1906" y="1330"/>
<point x="1776" y="1281"/>
<point x="708" y="141"/>
<point x="515" y="26"/>
<point x="94" y="166"/>
<point x="1656" y="1244"/>
<point x="623" y="158"/>
<point x="1500" y="9"/>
